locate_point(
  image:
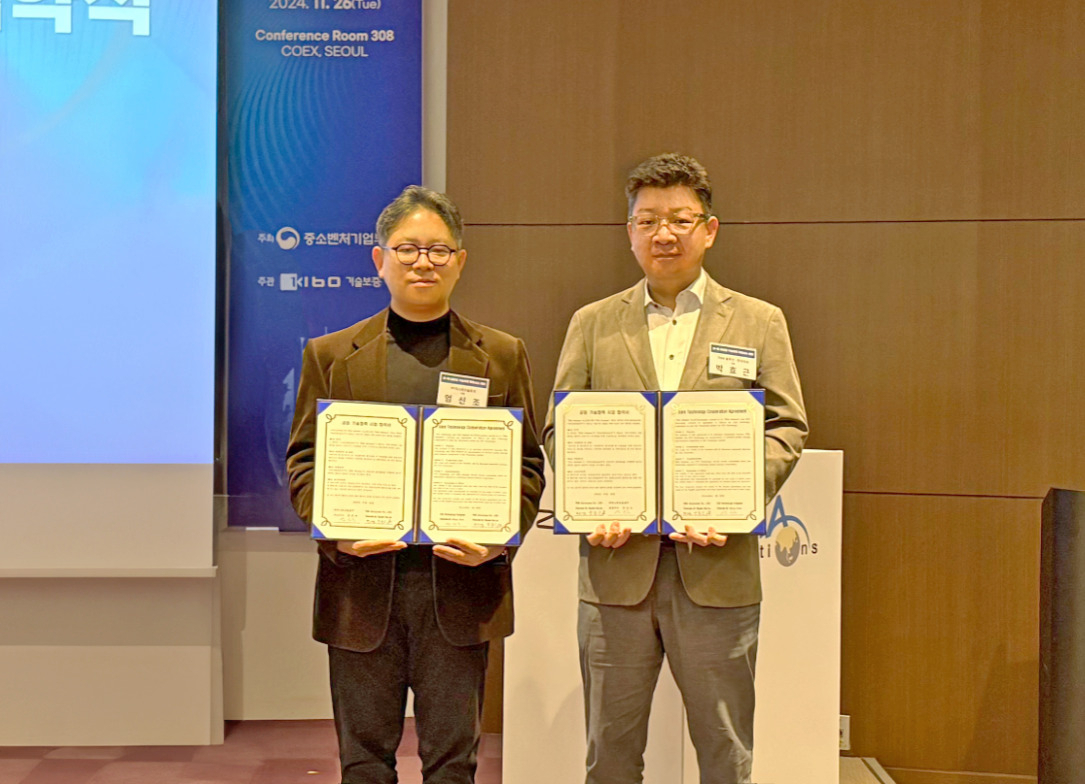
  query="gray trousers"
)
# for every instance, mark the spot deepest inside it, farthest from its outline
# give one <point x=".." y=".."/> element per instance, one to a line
<point x="712" y="653"/>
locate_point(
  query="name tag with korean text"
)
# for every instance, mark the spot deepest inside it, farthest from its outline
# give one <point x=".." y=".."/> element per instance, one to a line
<point x="734" y="361"/>
<point x="464" y="391"/>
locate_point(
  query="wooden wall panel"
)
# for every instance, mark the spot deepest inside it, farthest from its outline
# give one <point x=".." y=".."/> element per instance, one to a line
<point x="941" y="631"/>
<point x="1033" y="109"/>
<point x="941" y="357"/>
<point x="530" y="280"/>
<point x="913" y="776"/>
<point x="907" y="180"/>
<point x="803" y="111"/>
<point x="531" y="110"/>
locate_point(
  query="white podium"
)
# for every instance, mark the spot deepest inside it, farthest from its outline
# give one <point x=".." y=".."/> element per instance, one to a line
<point x="796" y="728"/>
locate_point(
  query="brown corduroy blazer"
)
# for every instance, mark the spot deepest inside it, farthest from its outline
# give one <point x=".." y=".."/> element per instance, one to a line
<point x="354" y="595"/>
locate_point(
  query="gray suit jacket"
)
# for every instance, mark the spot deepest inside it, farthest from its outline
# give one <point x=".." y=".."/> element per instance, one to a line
<point x="606" y="347"/>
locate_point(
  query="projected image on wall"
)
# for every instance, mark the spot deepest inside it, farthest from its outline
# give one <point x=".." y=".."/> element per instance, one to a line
<point x="107" y="231"/>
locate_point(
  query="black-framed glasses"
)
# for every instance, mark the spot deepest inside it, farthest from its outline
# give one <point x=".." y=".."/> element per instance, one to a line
<point x="678" y="224"/>
<point x="408" y="253"/>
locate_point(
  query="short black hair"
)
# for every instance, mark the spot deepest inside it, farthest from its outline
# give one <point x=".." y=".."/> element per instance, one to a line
<point x="666" y="171"/>
<point x="413" y="198"/>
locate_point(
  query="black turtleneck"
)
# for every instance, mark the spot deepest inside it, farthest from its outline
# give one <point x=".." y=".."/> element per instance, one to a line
<point x="417" y="353"/>
<point x="426" y="341"/>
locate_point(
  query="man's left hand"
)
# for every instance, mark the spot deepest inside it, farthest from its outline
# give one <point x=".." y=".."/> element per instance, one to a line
<point x="467" y="553"/>
<point x="691" y="536"/>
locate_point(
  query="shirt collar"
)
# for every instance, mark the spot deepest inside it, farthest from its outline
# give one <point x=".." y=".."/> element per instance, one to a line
<point x="696" y="288"/>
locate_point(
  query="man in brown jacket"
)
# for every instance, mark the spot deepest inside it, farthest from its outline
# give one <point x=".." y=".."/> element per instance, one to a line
<point x="396" y="616"/>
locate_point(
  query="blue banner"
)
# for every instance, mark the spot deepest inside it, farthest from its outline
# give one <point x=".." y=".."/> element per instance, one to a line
<point x="324" y="115"/>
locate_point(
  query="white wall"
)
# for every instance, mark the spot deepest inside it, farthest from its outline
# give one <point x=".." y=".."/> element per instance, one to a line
<point x="109" y="625"/>
<point x="272" y="667"/>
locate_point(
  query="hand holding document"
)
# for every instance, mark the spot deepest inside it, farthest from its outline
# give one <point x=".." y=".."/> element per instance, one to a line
<point x="694" y="537"/>
<point x="467" y="553"/>
<point x="362" y="549"/>
<point x="612" y="536"/>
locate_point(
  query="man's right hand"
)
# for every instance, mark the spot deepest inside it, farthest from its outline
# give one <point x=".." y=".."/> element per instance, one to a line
<point x="362" y="549"/>
<point x="614" y="536"/>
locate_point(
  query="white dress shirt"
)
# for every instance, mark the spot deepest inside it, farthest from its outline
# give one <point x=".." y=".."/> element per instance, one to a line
<point x="670" y="332"/>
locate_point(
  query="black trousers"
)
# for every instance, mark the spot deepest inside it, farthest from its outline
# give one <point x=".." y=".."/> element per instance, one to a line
<point x="369" y="693"/>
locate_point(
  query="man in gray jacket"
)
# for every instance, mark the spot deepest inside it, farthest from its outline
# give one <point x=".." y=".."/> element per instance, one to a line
<point x="692" y="597"/>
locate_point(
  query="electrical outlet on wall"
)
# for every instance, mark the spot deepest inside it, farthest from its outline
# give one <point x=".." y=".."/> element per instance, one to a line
<point x="845" y="732"/>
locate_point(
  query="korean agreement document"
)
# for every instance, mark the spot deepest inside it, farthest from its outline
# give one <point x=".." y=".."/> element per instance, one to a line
<point x="418" y="474"/>
<point x="659" y="461"/>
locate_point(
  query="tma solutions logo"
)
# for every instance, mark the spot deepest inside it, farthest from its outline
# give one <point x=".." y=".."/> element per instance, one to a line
<point x="786" y="538"/>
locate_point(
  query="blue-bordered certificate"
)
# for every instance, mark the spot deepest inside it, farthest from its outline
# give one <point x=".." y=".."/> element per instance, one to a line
<point x="605" y="454"/>
<point x="656" y="462"/>
<point x="418" y="474"/>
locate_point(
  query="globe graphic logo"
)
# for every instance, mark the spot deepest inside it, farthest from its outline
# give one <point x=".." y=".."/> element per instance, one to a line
<point x="786" y="546"/>
<point x="788" y="536"/>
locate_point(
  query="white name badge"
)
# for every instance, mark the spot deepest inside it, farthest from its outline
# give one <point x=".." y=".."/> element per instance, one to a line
<point x="734" y="361"/>
<point x="465" y="391"/>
